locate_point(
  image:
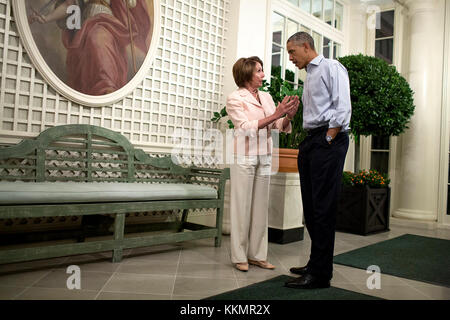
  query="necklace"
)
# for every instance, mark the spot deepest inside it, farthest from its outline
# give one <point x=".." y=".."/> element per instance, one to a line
<point x="254" y="92"/>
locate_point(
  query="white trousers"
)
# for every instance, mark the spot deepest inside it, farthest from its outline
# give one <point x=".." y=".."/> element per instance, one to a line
<point x="249" y="203"/>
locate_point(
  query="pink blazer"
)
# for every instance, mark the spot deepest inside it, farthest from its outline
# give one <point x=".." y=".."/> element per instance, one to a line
<point x="245" y="111"/>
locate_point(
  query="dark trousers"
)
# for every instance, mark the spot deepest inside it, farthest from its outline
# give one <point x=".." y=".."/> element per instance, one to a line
<point x="320" y="166"/>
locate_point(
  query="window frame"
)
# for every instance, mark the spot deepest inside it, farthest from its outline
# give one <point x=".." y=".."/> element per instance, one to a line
<point x="306" y="20"/>
<point x="370" y="149"/>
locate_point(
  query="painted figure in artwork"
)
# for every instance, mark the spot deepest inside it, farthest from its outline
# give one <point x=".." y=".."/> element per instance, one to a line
<point x="113" y="37"/>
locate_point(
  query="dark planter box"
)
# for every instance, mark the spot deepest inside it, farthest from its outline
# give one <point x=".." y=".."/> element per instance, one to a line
<point x="363" y="210"/>
<point x="285" y="236"/>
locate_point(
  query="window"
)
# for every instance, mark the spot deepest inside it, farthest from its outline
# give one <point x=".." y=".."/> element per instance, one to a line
<point x="305" y="29"/>
<point x="338" y="16"/>
<point x="379" y="159"/>
<point x="336" y="50"/>
<point x="292" y="27"/>
<point x="277" y="40"/>
<point x="330" y="11"/>
<point x="317" y="42"/>
<point x="384" y="40"/>
<point x="306" y="5"/>
<point x="282" y="28"/>
<point x="317" y="8"/>
<point x="326" y="47"/>
<point x="384" y="36"/>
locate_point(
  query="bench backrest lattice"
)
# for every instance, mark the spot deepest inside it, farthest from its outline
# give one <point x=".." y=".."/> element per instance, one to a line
<point x="86" y="153"/>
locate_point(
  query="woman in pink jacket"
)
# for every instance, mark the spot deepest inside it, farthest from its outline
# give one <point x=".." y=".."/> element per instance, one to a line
<point x="254" y="115"/>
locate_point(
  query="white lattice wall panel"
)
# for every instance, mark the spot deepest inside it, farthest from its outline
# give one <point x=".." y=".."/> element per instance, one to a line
<point x="181" y="90"/>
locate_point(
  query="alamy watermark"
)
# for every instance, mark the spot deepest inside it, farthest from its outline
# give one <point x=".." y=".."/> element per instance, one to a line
<point x="73" y="21"/>
<point x="213" y="147"/>
<point x="374" y="280"/>
<point x="73" y="281"/>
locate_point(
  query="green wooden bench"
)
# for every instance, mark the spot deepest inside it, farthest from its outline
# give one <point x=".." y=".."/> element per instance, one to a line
<point x="89" y="170"/>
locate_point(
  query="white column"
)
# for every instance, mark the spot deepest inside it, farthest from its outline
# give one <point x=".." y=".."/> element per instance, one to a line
<point x="357" y="29"/>
<point x="419" y="163"/>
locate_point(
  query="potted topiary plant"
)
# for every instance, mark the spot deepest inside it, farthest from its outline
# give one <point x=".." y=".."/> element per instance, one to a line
<point x="382" y="105"/>
<point x="382" y="100"/>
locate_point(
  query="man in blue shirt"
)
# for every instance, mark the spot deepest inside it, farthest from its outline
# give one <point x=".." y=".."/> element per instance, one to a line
<point x="326" y="117"/>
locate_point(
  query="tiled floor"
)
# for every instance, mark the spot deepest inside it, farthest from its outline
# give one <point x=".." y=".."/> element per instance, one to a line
<point x="195" y="270"/>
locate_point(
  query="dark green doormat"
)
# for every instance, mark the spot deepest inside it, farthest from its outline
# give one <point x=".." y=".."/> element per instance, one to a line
<point x="274" y="289"/>
<point x="408" y="256"/>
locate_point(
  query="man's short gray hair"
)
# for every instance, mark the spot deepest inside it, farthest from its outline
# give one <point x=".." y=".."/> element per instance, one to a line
<point x="301" y="37"/>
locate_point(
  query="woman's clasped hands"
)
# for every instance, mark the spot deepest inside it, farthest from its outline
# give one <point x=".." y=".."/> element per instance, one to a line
<point x="289" y="107"/>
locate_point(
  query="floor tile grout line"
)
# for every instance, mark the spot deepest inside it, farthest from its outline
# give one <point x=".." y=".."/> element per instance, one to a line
<point x="405" y="281"/>
<point x="42" y="277"/>
<point x="137" y="293"/>
<point x="30" y="286"/>
<point x="146" y="274"/>
<point x="233" y="270"/>
<point x="236" y="280"/>
<point x="279" y="260"/>
<point x="418" y="291"/>
<point x="206" y="277"/>
<point x="176" y="273"/>
<point x="106" y="283"/>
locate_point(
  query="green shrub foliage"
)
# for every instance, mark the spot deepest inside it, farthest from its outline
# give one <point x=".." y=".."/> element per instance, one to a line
<point x="382" y="101"/>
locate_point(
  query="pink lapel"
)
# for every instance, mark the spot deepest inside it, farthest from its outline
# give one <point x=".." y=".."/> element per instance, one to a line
<point x="249" y="97"/>
<point x="266" y="99"/>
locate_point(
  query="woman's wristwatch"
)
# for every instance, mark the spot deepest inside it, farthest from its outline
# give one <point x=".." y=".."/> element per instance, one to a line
<point x="290" y="119"/>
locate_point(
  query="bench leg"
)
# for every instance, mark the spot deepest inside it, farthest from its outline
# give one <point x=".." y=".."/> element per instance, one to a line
<point x="218" y="238"/>
<point x="117" y="255"/>
<point x="183" y="219"/>
<point x="218" y="241"/>
<point x="119" y="229"/>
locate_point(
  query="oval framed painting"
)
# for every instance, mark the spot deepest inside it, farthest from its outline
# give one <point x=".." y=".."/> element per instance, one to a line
<point x="93" y="52"/>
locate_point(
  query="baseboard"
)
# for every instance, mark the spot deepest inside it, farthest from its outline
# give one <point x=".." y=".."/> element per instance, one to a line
<point x="428" y="225"/>
<point x="286" y="236"/>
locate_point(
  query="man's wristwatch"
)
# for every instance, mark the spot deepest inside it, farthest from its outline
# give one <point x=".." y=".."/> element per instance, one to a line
<point x="329" y="139"/>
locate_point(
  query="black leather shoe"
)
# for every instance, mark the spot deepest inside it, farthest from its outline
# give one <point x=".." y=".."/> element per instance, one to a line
<point x="308" y="281"/>
<point x="299" y="270"/>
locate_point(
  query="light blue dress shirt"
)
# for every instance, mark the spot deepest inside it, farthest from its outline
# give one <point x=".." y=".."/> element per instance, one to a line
<point x="326" y="95"/>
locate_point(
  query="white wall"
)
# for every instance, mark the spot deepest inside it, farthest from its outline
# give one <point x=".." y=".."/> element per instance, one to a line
<point x="247" y="30"/>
